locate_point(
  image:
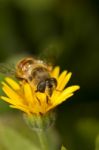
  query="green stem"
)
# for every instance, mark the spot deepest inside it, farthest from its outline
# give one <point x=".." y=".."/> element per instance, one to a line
<point x="43" y="140"/>
<point x="41" y="124"/>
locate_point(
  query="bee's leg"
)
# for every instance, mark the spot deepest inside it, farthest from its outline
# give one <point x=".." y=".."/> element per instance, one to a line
<point x="48" y="99"/>
<point x="38" y="100"/>
<point x="36" y="91"/>
<point x="58" y="90"/>
<point x="22" y="82"/>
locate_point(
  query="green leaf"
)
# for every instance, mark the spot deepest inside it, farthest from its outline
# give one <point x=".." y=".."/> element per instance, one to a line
<point x="63" y="148"/>
<point x="11" y="139"/>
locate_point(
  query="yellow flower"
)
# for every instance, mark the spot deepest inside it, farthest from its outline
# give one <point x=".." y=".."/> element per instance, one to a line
<point x="23" y="97"/>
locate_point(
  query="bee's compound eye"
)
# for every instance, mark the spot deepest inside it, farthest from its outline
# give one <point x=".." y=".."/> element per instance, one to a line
<point x="53" y="81"/>
<point x="41" y="87"/>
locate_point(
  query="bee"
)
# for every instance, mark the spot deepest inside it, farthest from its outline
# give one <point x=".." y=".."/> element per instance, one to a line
<point x="37" y="73"/>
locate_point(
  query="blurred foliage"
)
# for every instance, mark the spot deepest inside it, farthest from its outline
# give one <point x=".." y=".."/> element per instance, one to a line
<point x="67" y="34"/>
<point x="63" y="148"/>
<point x="97" y="143"/>
<point x="65" y="29"/>
<point x="9" y="136"/>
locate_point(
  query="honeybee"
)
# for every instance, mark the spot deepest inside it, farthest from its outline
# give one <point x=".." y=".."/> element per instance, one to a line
<point x="36" y="73"/>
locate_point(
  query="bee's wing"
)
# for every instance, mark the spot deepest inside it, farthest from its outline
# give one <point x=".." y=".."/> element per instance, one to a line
<point x="51" y="54"/>
<point x="7" y="69"/>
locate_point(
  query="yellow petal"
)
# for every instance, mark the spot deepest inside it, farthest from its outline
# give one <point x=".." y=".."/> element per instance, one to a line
<point x="21" y="108"/>
<point x="43" y="101"/>
<point x="65" y="81"/>
<point x="55" y="72"/>
<point x="59" y="101"/>
<point x="11" y="101"/>
<point x="41" y="97"/>
<point x="12" y="83"/>
<point x="70" y="89"/>
<point x="12" y="94"/>
<point x="55" y="94"/>
<point x="68" y="92"/>
<point x="28" y="93"/>
<point x="60" y="79"/>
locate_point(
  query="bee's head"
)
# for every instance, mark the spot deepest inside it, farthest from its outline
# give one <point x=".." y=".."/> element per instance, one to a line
<point x="47" y="85"/>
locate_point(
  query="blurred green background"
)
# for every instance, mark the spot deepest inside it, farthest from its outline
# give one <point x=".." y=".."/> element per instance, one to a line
<point x="66" y="33"/>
